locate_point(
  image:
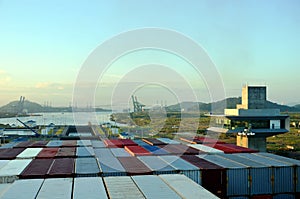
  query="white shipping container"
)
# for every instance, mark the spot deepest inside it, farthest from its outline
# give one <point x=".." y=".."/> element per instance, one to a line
<point x="206" y="149"/>
<point x="4" y="188"/>
<point x="186" y="188"/>
<point x="58" y="188"/>
<point x="154" y="187"/>
<point x="89" y="187"/>
<point x="3" y="163"/>
<point x="29" y="153"/>
<point x="9" y="173"/>
<point x="23" y="189"/>
<point x="122" y="187"/>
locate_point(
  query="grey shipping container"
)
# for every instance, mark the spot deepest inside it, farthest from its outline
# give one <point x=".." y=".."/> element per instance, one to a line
<point x="119" y="152"/>
<point x="154" y="187"/>
<point x="282" y="173"/>
<point x="85" y="152"/>
<point x="89" y="187"/>
<point x="23" y="189"/>
<point x="122" y="187"/>
<point x="58" y="188"/>
<point x="109" y="164"/>
<point x="257" y="173"/>
<point x="186" y="188"/>
<point x="86" y="167"/>
<point x="54" y="143"/>
<point x="97" y="144"/>
<point x="237" y="175"/>
<point x="183" y="167"/>
<point x="84" y="143"/>
<point x="296" y="163"/>
<point x="157" y="165"/>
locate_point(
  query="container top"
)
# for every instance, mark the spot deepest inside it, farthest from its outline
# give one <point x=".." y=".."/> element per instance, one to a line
<point x="244" y="161"/>
<point x="263" y="160"/>
<point x="168" y="141"/>
<point x="84" y="143"/>
<point x="186" y="188"/>
<point x="23" y="189"/>
<point x="122" y="187"/>
<point x="223" y="162"/>
<point x="279" y="158"/>
<point x="14" y="167"/>
<point x="119" y="152"/>
<point x="89" y="187"/>
<point x="201" y="163"/>
<point x="206" y="149"/>
<point x="30" y="153"/>
<point x="98" y="144"/>
<point x="58" y="188"/>
<point x="178" y="163"/>
<point x="156" y="164"/>
<point x="154" y="187"/>
<point x="133" y="165"/>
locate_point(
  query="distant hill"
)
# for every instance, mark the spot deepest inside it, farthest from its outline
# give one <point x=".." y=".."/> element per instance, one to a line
<point x="219" y="106"/>
<point x="32" y="107"/>
<point x="29" y="107"/>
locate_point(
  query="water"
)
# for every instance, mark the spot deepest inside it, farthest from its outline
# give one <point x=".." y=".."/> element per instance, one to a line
<point x="78" y="118"/>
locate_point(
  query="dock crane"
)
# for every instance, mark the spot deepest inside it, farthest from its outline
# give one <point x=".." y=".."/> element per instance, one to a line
<point x="137" y="106"/>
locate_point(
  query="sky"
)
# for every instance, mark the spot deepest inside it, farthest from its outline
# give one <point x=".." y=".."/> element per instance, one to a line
<point x="45" y="44"/>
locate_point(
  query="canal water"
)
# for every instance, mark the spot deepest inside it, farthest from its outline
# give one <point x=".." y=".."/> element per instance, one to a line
<point x="77" y="118"/>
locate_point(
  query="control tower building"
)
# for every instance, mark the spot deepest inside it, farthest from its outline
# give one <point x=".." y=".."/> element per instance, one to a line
<point x="252" y="121"/>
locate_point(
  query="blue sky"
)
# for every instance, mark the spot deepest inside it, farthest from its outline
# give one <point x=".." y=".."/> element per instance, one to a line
<point x="44" y="43"/>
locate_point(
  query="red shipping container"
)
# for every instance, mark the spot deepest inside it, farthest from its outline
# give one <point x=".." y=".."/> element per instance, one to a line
<point x="223" y="148"/>
<point x="112" y="144"/>
<point x="208" y="140"/>
<point x="134" y="166"/>
<point x="67" y="152"/>
<point x="62" y="167"/>
<point x="47" y="153"/>
<point x="24" y="144"/>
<point x="38" y="168"/>
<point x="127" y="142"/>
<point x="10" y="154"/>
<point x="69" y="143"/>
<point x="137" y="150"/>
<point x="39" y="144"/>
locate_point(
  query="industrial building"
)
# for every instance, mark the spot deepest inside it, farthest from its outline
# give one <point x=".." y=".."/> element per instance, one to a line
<point x="252" y="121"/>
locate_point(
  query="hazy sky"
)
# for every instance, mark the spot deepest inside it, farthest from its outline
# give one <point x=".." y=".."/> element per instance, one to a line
<point x="43" y="45"/>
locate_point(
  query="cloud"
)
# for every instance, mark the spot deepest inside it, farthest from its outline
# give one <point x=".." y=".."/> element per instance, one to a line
<point x="48" y="85"/>
<point x="4" y="78"/>
<point x="42" y="85"/>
